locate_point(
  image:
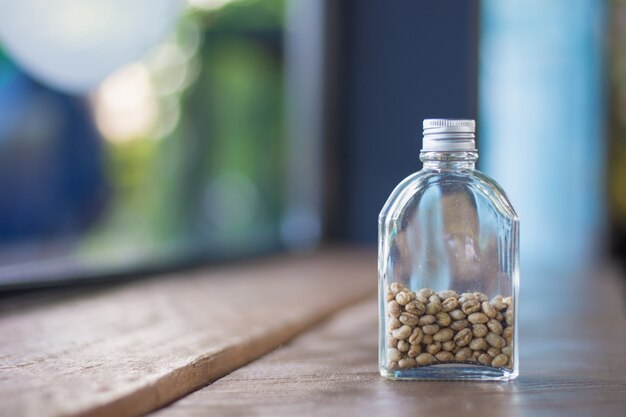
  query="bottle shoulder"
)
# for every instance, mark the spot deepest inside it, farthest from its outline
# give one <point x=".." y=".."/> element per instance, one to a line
<point x="499" y="193"/>
<point x="415" y="186"/>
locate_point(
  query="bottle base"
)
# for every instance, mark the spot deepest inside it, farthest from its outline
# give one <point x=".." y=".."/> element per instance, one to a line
<point x="450" y="372"/>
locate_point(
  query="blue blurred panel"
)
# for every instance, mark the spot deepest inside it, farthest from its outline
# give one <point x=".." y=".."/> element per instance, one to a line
<point x="542" y="121"/>
<point x="402" y="62"/>
<point x="52" y="182"/>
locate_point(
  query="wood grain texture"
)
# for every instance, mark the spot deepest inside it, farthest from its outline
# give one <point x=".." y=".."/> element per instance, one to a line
<point x="572" y="354"/>
<point x="127" y="350"/>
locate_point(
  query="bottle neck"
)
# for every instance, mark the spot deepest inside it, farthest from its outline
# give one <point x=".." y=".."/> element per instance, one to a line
<point x="455" y="161"/>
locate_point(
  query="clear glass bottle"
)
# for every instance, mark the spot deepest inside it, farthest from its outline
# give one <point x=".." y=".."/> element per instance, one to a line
<point x="448" y="265"/>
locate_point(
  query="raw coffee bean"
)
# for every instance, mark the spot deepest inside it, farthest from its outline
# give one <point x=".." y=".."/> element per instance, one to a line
<point x="470" y="306"/>
<point x="403" y="346"/>
<point x="419" y="297"/>
<point x="457" y="314"/>
<point x="426" y="292"/>
<point x="424" y="359"/>
<point x="444" y="295"/>
<point x="507" y="350"/>
<point x="468" y="296"/>
<point x="499" y="316"/>
<point x="393" y="355"/>
<point x="430" y="329"/>
<point x="449" y="304"/>
<point x="416" y="336"/>
<point x="478" y="318"/>
<point x="495" y="326"/>
<point x="508" y="301"/>
<point x="396" y="287"/>
<point x="463" y="338"/>
<point x="478" y="344"/>
<point x="500" y="360"/>
<point x="463" y="354"/>
<point x="409" y="318"/>
<point x="394" y="323"/>
<point x="481" y="297"/>
<point x="497" y="303"/>
<point x="476" y="354"/>
<point x="459" y="325"/>
<point x="443" y="319"/>
<point x="508" y="317"/>
<point x="392" y="342"/>
<point x="495" y="340"/>
<point x="482" y="358"/>
<point x="444" y="356"/>
<point x="392" y="365"/>
<point x="444" y="335"/>
<point x="394" y="308"/>
<point x="434" y="305"/>
<point x="402" y="333"/>
<point x="416" y="307"/>
<point x="407" y="363"/>
<point x="488" y="309"/>
<point x="403" y="298"/>
<point x="390" y="296"/>
<point x="427" y="319"/>
<point x="508" y="334"/>
<point x="414" y="350"/>
<point x="448" y="346"/>
<point x="428" y="339"/>
<point x="493" y="352"/>
<point x="433" y="348"/>
<point x="479" y="330"/>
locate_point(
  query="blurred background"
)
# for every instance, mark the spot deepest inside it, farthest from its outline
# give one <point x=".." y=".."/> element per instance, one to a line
<point x="148" y="135"/>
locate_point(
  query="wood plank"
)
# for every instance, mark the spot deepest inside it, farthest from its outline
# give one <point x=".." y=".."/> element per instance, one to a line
<point x="573" y="356"/>
<point x="130" y="349"/>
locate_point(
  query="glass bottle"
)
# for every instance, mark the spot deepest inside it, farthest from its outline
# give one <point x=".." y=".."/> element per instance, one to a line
<point x="448" y="265"/>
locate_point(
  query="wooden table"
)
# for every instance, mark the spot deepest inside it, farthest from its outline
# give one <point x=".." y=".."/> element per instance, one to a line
<point x="138" y="347"/>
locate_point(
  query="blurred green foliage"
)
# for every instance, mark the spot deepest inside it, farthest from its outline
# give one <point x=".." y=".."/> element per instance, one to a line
<point x="217" y="178"/>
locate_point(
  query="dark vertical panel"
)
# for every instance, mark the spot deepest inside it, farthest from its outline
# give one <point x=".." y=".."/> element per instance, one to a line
<point x="400" y="62"/>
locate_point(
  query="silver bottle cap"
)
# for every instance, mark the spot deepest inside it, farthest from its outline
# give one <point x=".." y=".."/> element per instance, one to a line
<point x="449" y="135"/>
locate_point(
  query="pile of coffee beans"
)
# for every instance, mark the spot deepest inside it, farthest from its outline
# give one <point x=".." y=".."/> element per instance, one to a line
<point x="426" y="327"/>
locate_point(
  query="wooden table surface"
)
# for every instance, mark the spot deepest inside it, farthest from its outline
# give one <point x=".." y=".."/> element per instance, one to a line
<point x="130" y="349"/>
<point x="572" y="354"/>
<point x="139" y="347"/>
